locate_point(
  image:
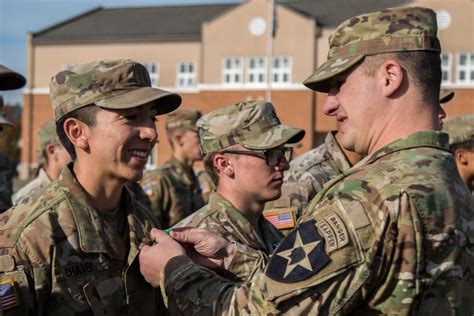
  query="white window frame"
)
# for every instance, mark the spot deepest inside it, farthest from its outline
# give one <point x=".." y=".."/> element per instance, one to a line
<point x="233" y="71"/>
<point x="186" y="78"/>
<point x="151" y="164"/>
<point x="467" y="68"/>
<point x="154" y="71"/>
<point x="446" y="68"/>
<point x="281" y="71"/>
<point x="256" y="74"/>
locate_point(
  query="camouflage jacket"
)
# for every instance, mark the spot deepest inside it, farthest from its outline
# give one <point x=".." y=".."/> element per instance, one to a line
<point x="222" y="218"/>
<point x="307" y="175"/>
<point x="392" y="235"/>
<point x="174" y="192"/>
<point x="59" y="257"/>
<point x="205" y="183"/>
<point x="33" y="186"/>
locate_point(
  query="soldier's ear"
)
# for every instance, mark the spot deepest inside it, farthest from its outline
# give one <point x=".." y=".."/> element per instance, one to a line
<point x="392" y="77"/>
<point x="223" y="165"/>
<point x="77" y="132"/>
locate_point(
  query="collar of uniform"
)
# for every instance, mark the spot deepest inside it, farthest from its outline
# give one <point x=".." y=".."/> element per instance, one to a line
<point x="335" y="151"/>
<point x="90" y="225"/>
<point x="434" y="139"/>
<point x="43" y="176"/>
<point x="240" y="223"/>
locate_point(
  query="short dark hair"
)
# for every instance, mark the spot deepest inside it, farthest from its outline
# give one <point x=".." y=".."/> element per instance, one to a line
<point x="86" y="114"/>
<point x="423" y="68"/>
<point x="467" y="145"/>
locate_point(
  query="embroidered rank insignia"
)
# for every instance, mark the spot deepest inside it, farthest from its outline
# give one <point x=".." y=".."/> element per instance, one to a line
<point x="299" y="256"/>
<point x="8" y="297"/>
<point x="281" y="218"/>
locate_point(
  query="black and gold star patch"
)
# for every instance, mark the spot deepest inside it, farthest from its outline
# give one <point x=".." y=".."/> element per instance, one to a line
<point x="299" y="256"/>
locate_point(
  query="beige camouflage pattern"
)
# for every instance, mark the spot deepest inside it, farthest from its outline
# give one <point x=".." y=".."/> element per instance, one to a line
<point x="35" y="185"/>
<point x="388" y="31"/>
<point x="114" y="84"/>
<point x="47" y="135"/>
<point x="408" y="225"/>
<point x="223" y="219"/>
<point x="183" y="118"/>
<point x="307" y="175"/>
<point x="460" y="129"/>
<point x="252" y="124"/>
<point x="174" y="192"/>
<point x="65" y="258"/>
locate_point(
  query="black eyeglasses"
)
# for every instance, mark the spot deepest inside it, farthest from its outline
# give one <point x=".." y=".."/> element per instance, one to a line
<point x="272" y="156"/>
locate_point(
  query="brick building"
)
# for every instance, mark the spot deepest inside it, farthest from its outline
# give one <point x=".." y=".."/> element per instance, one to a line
<point x="214" y="55"/>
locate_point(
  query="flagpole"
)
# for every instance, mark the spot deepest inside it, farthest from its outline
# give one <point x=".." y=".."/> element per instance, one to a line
<point x="271" y="8"/>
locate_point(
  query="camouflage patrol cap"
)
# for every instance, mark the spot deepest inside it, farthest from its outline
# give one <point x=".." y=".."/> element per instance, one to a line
<point x="10" y="80"/>
<point x="252" y="124"/>
<point x="3" y="119"/>
<point x="445" y="95"/>
<point x="460" y="129"/>
<point x="47" y="135"/>
<point x="114" y="84"/>
<point x="387" y="31"/>
<point x="183" y="118"/>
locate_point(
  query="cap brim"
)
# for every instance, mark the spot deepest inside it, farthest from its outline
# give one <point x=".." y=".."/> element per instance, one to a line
<point x="5" y="121"/>
<point x="274" y="137"/>
<point x="10" y="80"/>
<point x="446" y="96"/>
<point x="165" y="101"/>
<point x="319" y="80"/>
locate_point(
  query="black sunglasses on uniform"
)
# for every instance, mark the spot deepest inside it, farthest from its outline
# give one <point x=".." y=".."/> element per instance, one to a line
<point x="272" y="156"/>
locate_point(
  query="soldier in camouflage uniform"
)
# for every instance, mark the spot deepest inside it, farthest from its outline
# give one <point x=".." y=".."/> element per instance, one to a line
<point x="309" y="172"/>
<point x="9" y="80"/>
<point x="461" y="144"/>
<point x="71" y="249"/>
<point x="392" y="235"/>
<point x="53" y="158"/>
<point x="173" y="188"/>
<point x="243" y="144"/>
<point x="307" y="175"/>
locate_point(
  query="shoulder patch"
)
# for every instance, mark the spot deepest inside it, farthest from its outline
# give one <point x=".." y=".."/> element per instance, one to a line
<point x="334" y="231"/>
<point x="299" y="256"/>
<point x="8" y="296"/>
<point x="148" y="190"/>
<point x="281" y="218"/>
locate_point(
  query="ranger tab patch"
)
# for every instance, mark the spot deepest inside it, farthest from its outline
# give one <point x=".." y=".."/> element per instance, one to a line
<point x="8" y="297"/>
<point x="299" y="256"/>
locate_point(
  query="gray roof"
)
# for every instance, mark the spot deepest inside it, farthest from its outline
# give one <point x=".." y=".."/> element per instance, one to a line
<point x="184" y="22"/>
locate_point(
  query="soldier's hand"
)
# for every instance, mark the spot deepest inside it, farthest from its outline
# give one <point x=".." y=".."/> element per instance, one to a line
<point x="154" y="258"/>
<point x="204" y="247"/>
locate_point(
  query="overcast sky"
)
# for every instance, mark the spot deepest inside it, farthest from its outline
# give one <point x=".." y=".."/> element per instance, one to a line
<point x="18" y="17"/>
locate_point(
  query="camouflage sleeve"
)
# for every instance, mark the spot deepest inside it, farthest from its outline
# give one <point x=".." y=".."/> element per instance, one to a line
<point x="23" y="278"/>
<point x="339" y="259"/>
<point x="157" y="189"/>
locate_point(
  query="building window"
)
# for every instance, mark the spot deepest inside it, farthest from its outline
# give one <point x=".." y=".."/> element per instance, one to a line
<point x="256" y="70"/>
<point x="465" y="68"/>
<point x="446" y="62"/>
<point x="154" y="71"/>
<point x="186" y="76"/>
<point x="232" y="70"/>
<point x="281" y="69"/>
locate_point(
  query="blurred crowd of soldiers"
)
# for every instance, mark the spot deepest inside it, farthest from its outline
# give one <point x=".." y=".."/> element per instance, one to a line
<point x="377" y="219"/>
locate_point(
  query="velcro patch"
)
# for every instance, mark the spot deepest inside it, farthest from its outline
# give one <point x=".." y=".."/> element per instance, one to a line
<point x="8" y="296"/>
<point x="281" y="218"/>
<point x="299" y="256"/>
<point x="334" y="232"/>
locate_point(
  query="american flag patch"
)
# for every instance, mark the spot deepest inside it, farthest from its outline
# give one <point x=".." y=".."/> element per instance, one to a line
<point x="148" y="190"/>
<point x="8" y="298"/>
<point x="281" y="218"/>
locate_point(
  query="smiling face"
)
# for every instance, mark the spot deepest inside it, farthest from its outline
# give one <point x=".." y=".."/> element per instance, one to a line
<point x="121" y="141"/>
<point x="254" y="179"/>
<point x="353" y="100"/>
